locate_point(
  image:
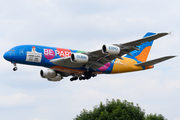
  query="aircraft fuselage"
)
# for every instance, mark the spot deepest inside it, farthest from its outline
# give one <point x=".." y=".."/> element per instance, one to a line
<point x="41" y="56"/>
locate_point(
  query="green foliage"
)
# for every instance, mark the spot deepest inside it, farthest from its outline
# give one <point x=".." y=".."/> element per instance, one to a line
<point x="113" y="110"/>
<point x="155" y="117"/>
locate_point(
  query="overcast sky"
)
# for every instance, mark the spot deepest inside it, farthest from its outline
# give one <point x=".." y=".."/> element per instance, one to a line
<point x="87" y="25"/>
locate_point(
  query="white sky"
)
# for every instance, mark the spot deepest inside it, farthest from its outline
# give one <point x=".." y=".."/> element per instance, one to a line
<point x="87" y="25"/>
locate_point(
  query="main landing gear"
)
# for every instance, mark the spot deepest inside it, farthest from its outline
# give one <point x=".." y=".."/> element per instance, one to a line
<point x="86" y="76"/>
<point x="15" y="67"/>
<point x="73" y="78"/>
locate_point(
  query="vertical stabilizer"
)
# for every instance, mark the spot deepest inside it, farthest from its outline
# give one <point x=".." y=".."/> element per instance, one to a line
<point x="144" y="49"/>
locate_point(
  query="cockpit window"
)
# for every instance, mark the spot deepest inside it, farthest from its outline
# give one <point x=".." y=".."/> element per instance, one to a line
<point x="11" y="50"/>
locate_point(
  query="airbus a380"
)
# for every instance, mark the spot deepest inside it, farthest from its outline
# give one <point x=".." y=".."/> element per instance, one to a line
<point x="111" y="59"/>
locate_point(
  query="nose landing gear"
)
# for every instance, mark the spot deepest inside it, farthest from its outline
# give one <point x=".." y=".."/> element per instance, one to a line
<point x="15" y="67"/>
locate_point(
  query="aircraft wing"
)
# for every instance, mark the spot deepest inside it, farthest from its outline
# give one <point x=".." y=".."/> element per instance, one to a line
<point x="126" y="48"/>
<point x="97" y="59"/>
<point x="146" y="39"/>
<point x="130" y="46"/>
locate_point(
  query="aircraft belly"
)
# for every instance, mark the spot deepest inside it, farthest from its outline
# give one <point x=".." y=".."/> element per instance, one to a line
<point x="125" y="65"/>
<point x="67" y="70"/>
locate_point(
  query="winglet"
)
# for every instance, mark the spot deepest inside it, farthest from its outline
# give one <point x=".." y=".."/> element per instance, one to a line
<point x="170" y="33"/>
<point x="155" y="61"/>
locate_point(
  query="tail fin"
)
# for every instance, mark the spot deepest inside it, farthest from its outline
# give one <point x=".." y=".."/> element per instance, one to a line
<point x="144" y="49"/>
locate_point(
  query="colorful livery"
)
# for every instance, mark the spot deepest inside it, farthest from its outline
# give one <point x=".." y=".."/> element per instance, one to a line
<point x="111" y="59"/>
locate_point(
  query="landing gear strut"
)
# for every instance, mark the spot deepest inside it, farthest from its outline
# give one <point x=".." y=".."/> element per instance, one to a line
<point x="88" y="75"/>
<point x="15" y="68"/>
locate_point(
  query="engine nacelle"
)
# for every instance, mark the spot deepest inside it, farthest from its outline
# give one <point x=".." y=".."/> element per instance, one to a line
<point x="48" y="73"/>
<point x="57" y="78"/>
<point x="110" y="49"/>
<point x="79" y="58"/>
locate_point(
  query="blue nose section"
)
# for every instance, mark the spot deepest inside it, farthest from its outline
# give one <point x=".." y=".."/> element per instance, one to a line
<point x="8" y="56"/>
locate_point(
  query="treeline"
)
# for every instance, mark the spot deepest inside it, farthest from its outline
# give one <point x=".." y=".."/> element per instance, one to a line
<point x="117" y="110"/>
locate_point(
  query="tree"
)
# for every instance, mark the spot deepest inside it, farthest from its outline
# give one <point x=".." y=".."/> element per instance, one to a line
<point x="113" y="110"/>
<point x="117" y="110"/>
<point x="155" y="117"/>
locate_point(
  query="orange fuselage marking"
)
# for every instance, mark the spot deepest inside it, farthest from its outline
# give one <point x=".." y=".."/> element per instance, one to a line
<point x="144" y="54"/>
<point x="125" y="65"/>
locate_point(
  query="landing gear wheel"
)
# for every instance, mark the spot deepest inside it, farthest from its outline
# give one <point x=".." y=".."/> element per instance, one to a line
<point x="94" y="75"/>
<point x="73" y="78"/>
<point x="15" y="68"/>
<point x="87" y="75"/>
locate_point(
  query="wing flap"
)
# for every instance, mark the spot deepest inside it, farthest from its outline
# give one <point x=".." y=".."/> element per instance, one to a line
<point x="155" y="61"/>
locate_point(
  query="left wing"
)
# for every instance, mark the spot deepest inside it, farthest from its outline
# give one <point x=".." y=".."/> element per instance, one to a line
<point x="98" y="58"/>
<point x="125" y="48"/>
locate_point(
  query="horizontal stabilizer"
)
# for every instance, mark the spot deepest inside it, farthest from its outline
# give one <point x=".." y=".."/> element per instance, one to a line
<point x="155" y="61"/>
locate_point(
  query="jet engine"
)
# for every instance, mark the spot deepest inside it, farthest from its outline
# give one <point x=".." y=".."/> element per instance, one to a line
<point x="110" y="49"/>
<point x="51" y="75"/>
<point x="48" y="73"/>
<point x="57" y="78"/>
<point x="79" y="58"/>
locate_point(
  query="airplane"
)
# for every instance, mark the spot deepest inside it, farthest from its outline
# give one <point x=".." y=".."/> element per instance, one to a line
<point x="82" y="65"/>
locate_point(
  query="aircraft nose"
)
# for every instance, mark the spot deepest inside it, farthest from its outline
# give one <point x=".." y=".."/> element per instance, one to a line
<point x="7" y="56"/>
